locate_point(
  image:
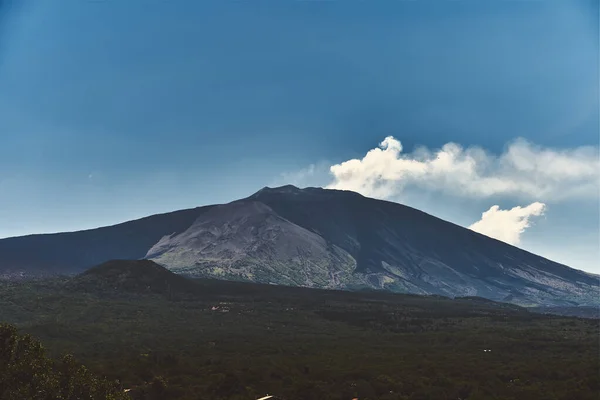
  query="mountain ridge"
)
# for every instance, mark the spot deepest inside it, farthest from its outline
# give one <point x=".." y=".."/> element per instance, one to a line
<point x="267" y="188"/>
<point x="73" y="252"/>
<point x="315" y="237"/>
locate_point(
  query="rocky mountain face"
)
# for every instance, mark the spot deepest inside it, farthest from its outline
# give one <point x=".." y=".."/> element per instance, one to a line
<point x="337" y="239"/>
<point x="248" y="240"/>
<point x="317" y="238"/>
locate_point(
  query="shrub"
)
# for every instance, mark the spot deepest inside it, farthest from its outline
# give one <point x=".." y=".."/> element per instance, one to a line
<point x="26" y="373"/>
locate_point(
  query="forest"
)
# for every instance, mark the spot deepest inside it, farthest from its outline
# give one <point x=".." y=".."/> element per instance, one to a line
<point x="226" y="340"/>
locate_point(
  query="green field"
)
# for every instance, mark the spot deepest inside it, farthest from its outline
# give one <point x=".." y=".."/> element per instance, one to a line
<point x="309" y="344"/>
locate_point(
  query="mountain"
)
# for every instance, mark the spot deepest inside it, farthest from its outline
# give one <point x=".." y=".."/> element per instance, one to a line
<point x="74" y="252"/>
<point x="248" y="240"/>
<point x="316" y="238"/>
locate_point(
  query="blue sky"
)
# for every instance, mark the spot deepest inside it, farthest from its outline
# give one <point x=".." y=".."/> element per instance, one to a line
<point x="115" y="110"/>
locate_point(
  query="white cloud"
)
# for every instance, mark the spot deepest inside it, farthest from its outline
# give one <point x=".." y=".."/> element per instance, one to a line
<point x="507" y="225"/>
<point x="524" y="170"/>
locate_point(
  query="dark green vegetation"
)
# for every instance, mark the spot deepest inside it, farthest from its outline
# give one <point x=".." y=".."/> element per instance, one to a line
<point x="26" y="373"/>
<point x="132" y="276"/>
<point x="228" y="340"/>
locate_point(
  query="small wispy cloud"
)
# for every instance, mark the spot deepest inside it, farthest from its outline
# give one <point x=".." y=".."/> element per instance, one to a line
<point x="314" y="175"/>
<point x="523" y="170"/>
<point x="507" y="225"/>
<point x="294" y="178"/>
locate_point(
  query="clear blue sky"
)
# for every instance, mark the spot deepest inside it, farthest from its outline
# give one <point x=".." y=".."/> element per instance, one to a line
<point x="112" y="110"/>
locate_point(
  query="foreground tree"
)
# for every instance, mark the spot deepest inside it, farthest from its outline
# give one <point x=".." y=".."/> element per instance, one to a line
<point x="27" y="373"/>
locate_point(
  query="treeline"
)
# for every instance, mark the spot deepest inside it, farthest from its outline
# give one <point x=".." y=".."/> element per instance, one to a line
<point x="26" y="373"/>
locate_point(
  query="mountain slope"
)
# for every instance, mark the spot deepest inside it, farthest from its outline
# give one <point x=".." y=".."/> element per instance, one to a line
<point x="248" y="240"/>
<point x="317" y="238"/>
<point x="73" y="252"/>
<point x="363" y="242"/>
<point x="386" y="238"/>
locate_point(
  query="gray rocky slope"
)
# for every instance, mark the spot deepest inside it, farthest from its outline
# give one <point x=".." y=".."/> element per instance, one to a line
<point x="338" y="239"/>
<point x="317" y="238"/>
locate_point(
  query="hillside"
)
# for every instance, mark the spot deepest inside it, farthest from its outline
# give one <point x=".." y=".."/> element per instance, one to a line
<point x="315" y="238"/>
<point x="131" y="276"/>
<point x="74" y="252"/>
<point x="337" y="239"/>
